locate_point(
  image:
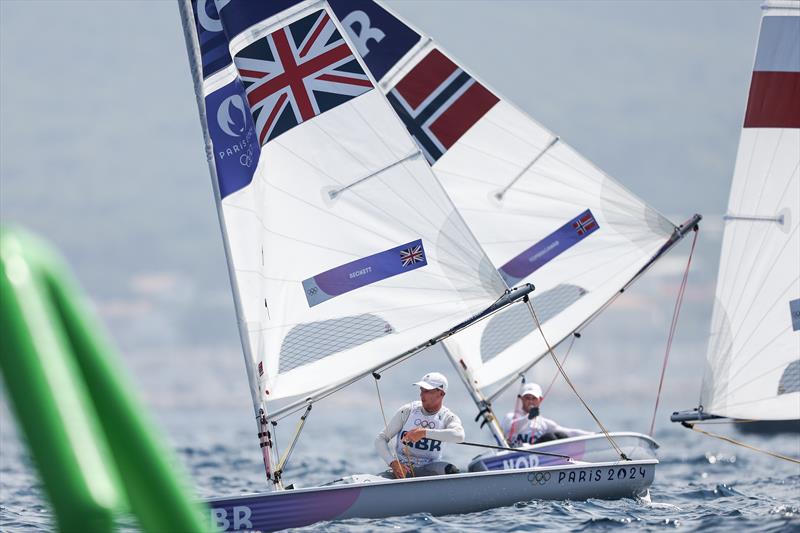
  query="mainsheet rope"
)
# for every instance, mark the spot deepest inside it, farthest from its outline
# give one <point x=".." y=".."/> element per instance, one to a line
<point x="569" y="382"/>
<point x="742" y="444"/>
<point x="376" y="377"/>
<point x="672" y="328"/>
<point x="563" y="361"/>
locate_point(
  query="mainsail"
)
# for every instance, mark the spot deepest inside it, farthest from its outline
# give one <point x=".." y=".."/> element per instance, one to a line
<point x="343" y="248"/>
<point x="753" y="359"/>
<point x="543" y="213"/>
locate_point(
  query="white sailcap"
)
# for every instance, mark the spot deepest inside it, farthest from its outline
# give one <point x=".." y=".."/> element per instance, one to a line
<point x="753" y="360"/>
<point x="543" y="213"/>
<point x="344" y="249"/>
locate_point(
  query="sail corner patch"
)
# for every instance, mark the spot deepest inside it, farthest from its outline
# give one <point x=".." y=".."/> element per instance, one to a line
<point x="364" y="271"/>
<point x="794" y="308"/>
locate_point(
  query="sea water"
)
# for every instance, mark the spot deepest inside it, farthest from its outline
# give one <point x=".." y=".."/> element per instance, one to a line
<point x="206" y="417"/>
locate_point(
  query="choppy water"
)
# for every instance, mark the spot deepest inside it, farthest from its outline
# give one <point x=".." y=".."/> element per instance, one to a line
<point x="701" y="483"/>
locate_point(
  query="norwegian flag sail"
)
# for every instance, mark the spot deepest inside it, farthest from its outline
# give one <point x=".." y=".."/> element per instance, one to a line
<point x="518" y="186"/>
<point x="438" y="102"/>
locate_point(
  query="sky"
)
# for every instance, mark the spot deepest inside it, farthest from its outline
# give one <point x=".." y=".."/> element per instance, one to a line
<point x="101" y="150"/>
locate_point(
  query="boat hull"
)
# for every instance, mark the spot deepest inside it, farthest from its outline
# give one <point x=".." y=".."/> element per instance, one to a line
<point x="437" y="495"/>
<point x="591" y="448"/>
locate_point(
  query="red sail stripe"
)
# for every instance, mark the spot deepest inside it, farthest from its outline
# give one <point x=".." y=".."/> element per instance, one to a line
<point x="345" y="79"/>
<point x="774" y="100"/>
<point x="271" y="118"/>
<point x="425" y="77"/>
<point x="463" y="114"/>
<point x="252" y="73"/>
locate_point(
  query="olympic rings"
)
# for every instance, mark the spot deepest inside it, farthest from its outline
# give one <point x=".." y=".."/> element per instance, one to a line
<point x="538" y="478"/>
<point x="427" y="424"/>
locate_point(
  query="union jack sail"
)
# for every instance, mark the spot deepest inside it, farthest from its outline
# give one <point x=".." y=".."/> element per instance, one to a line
<point x="298" y="72"/>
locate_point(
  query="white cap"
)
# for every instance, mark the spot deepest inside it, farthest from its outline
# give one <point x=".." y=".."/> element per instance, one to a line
<point x="531" y="388"/>
<point x="432" y="380"/>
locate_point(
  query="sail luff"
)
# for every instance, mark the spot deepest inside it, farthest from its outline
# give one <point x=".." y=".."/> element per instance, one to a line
<point x="195" y="67"/>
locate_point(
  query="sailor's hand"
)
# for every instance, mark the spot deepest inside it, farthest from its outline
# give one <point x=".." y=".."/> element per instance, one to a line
<point x="414" y="435"/>
<point x="400" y="470"/>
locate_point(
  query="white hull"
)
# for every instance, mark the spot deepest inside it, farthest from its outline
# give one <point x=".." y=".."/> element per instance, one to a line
<point x="437" y="495"/>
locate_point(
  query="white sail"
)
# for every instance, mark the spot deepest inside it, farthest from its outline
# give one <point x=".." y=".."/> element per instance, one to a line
<point x="344" y="248"/>
<point x="543" y="213"/>
<point x="753" y="360"/>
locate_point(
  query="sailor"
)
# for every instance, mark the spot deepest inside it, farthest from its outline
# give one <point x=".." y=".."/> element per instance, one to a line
<point x="421" y="427"/>
<point x="526" y="426"/>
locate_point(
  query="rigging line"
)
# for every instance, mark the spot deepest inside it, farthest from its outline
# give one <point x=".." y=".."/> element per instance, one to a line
<point x="524" y="368"/>
<point x="279" y="469"/>
<point x="672" y="328"/>
<point x="505" y="189"/>
<point x="569" y="382"/>
<point x="376" y="377"/>
<point x="563" y="361"/>
<point x="742" y="444"/>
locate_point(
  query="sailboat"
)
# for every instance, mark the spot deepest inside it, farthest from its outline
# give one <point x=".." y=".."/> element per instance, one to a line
<point x="752" y="372"/>
<point x="346" y="255"/>
<point x="543" y="213"/>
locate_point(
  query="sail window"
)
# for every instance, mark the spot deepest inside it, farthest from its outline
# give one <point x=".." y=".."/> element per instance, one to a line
<point x="790" y="379"/>
<point x="311" y="342"/>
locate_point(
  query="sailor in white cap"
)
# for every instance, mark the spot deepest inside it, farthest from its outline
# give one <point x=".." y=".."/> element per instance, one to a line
<point x="421" y="427"/>
<point x="525" y="425"/>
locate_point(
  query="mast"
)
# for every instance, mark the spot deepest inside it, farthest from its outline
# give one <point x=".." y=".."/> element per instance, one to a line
<point x="259" y="406"/>
<point x="483" y="404"/>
